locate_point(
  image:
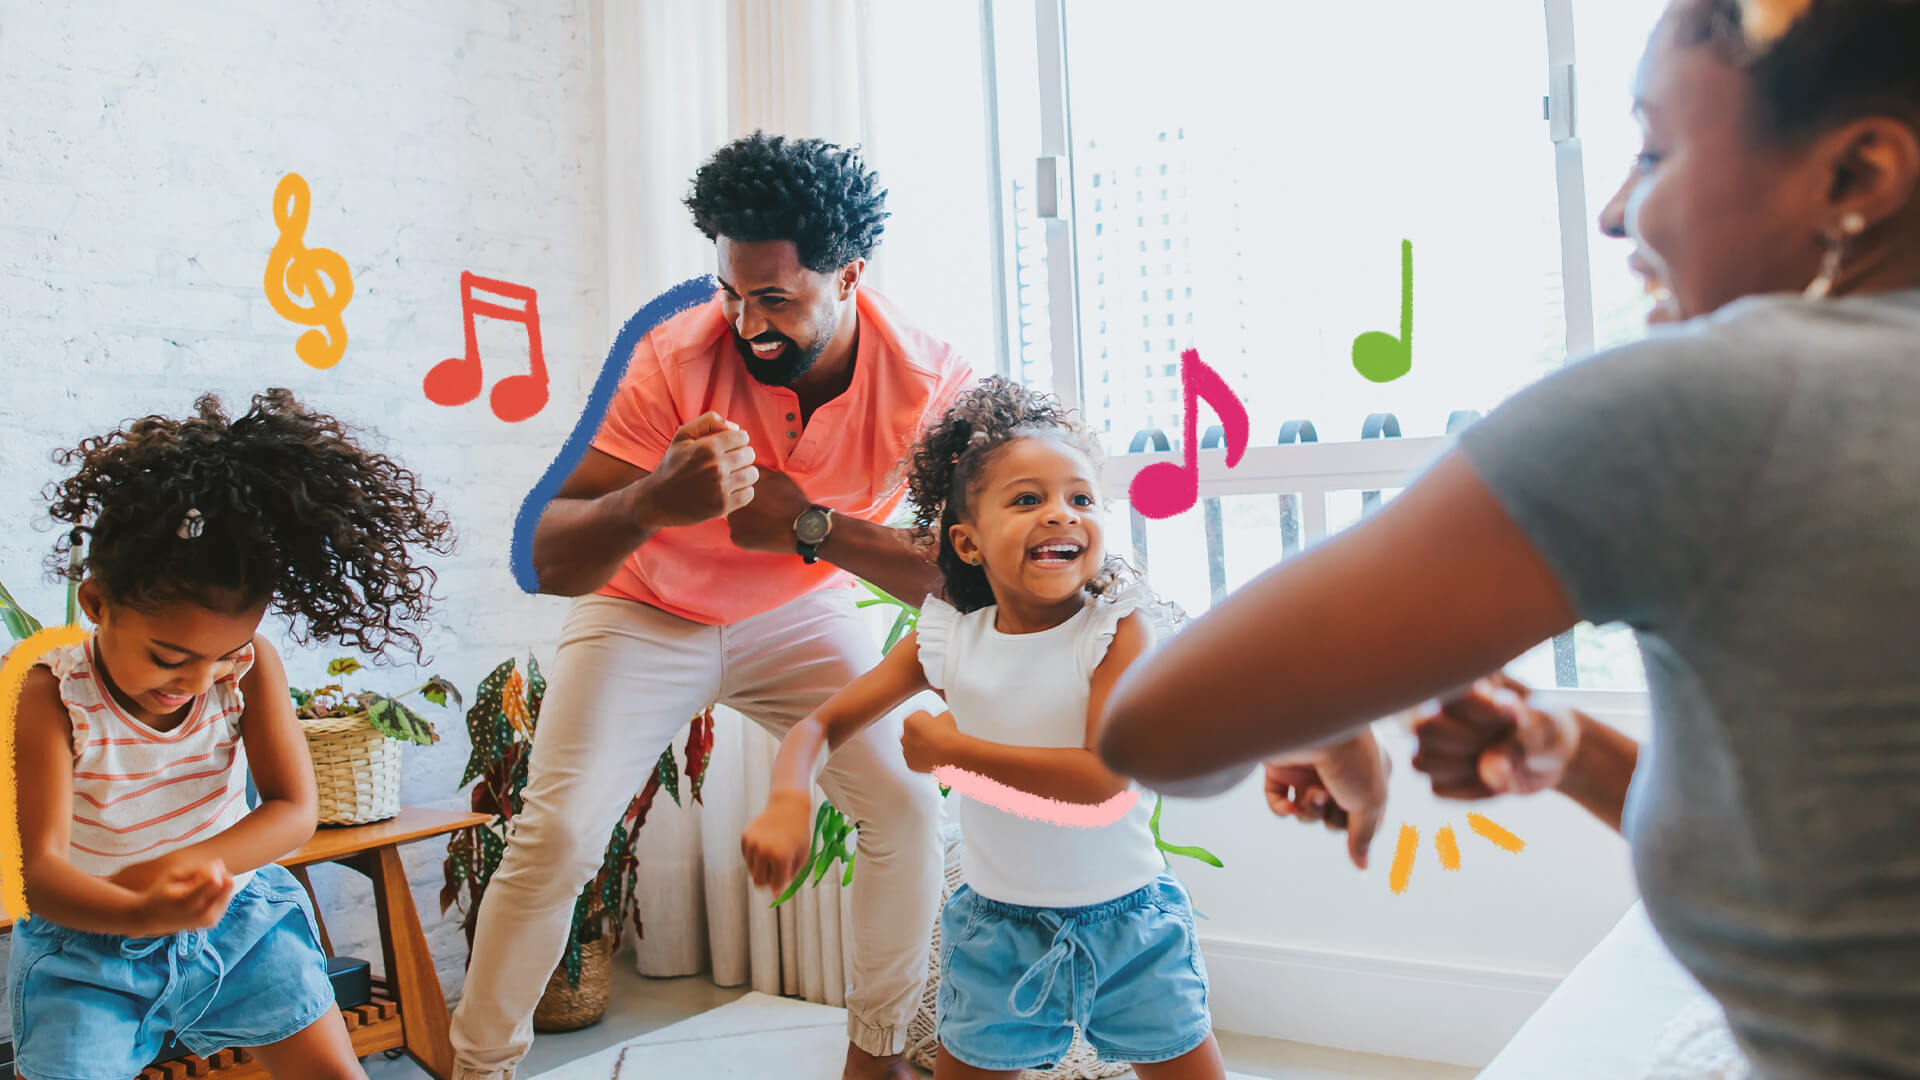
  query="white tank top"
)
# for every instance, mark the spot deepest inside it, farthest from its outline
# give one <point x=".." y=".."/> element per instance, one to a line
<point x="140" y="793"/>
<point x="1033" y="690"/>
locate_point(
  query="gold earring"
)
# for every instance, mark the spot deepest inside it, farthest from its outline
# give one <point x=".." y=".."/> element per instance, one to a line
<point x="1851" y="226"/>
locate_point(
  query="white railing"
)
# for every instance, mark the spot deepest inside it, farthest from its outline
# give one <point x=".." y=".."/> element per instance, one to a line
<point x="1302" y="474"/>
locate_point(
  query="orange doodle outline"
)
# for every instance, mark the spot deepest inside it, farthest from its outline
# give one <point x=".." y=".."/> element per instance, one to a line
<point x="13" y="682"/>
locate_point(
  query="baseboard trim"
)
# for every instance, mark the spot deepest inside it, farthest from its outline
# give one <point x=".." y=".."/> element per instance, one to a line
<point x="1377" y="1005"/>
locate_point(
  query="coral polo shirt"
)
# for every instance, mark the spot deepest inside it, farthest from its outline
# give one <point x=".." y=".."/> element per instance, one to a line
<point x="848" y="457"/>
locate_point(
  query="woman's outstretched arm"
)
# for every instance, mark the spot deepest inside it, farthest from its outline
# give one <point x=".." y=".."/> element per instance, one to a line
<point x="1436" y="589"/>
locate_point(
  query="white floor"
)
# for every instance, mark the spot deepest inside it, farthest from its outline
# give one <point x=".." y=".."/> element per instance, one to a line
<point x="760" y="1031"/>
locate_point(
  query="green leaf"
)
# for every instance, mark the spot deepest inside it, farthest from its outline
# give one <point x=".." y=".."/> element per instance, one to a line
<point x="492" y="848"/>
<point x="346" y="665"/>
<point x="669" y="771"/>
<point x="301" y="698"/>
<point x="907" y="621"/>
<point x="20" y="624"/>
<point x="396" y="721"/>
<point x="820" y="823"/>
<point x="438" y="690"/>
<point x="487" y="725"/>
<point x="536" y="688"/>
<point x="886" y="597"/>
<point x="1200" y="853"/>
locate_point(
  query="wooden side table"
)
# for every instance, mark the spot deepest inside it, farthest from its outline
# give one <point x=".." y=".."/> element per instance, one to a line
<point x="408" y="1011"/>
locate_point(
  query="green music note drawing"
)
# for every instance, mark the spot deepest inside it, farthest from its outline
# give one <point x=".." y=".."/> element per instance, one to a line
<point x="1379" y="356"/>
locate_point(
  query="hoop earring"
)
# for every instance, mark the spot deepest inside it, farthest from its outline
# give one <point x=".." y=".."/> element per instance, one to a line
<point x="1850" y="226"/>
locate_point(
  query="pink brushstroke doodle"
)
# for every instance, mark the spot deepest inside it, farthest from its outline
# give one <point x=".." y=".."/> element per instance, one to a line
<point x="991" y="792"/>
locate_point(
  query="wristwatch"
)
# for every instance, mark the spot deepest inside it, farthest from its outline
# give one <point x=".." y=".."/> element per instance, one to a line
<point x="810" y="530"/>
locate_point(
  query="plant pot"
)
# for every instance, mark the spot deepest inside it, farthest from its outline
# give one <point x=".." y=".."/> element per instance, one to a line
<point x="570" y="1008"/>
<point x="356" y="767"/>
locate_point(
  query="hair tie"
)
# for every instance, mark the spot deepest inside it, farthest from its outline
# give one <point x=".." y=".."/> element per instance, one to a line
<point x="191" y="526"/>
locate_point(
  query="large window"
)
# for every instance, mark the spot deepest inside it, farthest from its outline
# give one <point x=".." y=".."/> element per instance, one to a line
<point x="1238" y="177"/>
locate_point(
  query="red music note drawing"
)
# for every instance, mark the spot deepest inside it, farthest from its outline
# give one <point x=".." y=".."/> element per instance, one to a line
<point x="457" y="380"/>
<point x="1164" y="489"/>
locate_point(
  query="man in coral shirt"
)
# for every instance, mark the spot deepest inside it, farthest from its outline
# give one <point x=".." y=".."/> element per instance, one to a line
<point x="741" y="479"/>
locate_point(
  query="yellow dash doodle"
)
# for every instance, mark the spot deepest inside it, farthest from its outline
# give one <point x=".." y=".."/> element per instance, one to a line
<point x="1501" y="838"/>
<point x="1403" y="859"/>
<point x="1448" y="847"/>
<point x="13" y="680"/>
<point x="318" y="274"/>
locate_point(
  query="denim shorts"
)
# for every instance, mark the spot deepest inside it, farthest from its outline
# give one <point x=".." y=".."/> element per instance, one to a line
<point x="1127" y="973"/>
<point x="100" y="1006"/>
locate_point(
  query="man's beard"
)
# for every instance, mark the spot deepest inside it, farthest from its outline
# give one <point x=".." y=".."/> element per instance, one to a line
<point x="783" y="369"/>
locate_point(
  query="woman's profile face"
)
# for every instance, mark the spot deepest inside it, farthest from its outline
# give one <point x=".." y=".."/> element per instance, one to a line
<point x="1715" y="212"/>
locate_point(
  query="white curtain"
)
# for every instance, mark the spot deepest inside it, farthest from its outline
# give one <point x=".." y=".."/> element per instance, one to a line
<point x="679" y="79"/>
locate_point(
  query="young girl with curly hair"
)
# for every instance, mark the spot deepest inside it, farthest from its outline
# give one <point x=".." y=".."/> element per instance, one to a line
<point x="157" y="904"/>
<point x="1056" y="924"/>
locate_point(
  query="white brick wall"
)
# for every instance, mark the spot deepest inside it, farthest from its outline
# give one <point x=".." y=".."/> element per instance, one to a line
<point x="142" y="147"/>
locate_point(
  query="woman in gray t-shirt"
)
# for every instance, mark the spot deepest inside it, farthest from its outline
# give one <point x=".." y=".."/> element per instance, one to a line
<point x="1742" y="489"/>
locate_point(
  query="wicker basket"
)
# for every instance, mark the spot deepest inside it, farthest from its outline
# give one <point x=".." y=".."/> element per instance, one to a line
<point x="1081" y="1061"/>
<point x="570" y="1008"/>
<point x="356" y="767"/>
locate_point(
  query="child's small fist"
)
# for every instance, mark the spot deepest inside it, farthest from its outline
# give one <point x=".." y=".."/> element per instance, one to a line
<point x="187" y="897"/>
<point x="925" y="740"/>
<point x="774" y="845"/>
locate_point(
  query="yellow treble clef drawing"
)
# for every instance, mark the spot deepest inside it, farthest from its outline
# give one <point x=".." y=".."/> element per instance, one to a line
<point x="318" y="274"/>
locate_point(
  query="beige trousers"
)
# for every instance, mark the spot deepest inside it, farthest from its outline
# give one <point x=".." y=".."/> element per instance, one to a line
<point x="624" y="681"/>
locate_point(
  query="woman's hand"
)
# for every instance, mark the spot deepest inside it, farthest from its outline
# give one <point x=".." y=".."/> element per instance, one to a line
<point x="775" y="844"/>
<point x="1343" y="785"/>
<point x="1492" y="741"/>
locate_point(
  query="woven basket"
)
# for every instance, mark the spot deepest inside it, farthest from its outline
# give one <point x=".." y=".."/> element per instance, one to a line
<point x="923" y="1041"/>
<point x="356" y="767"/>
<point x="570" y="1008"/>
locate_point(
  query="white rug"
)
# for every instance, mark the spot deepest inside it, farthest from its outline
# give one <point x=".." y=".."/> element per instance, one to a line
<point x="757" y="1037"/>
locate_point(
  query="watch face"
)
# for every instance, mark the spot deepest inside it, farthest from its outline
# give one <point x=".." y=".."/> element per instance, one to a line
<point x="812" y="527"/>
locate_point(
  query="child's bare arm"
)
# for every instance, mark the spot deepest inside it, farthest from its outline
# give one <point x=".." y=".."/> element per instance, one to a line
<point x="1386" y="632"/>
<point x="775" y="843"/>
<point x="282" y="773"/>
<point x="897" y="677"/>
<point x="43" y="760"/>
<point x="1073" y="774"/>
<point x="61" y="892"/>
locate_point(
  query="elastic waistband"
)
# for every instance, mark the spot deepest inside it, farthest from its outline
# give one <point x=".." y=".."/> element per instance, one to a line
<point x="1088" y="913"/>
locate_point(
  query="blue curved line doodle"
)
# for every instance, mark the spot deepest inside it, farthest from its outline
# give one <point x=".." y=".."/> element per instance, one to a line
<point x="687" y="294"/>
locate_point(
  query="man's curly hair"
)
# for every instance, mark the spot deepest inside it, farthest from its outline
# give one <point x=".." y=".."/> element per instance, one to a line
<point x="945" y="467"/>
<point x="768" y="187"/>
<point x="292" y="511"/>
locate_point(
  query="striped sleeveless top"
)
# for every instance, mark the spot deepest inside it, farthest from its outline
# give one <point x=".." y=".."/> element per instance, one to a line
<point x="140" y="793"/>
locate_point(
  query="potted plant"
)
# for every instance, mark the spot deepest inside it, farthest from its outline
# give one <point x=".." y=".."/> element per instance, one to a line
<point x="355" y="742"/>
<point x="505" y="713"/>
<point x="21" y="625"/>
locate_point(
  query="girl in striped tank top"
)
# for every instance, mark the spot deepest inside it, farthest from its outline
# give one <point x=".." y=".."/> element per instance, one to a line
<point x="157" y="904"/>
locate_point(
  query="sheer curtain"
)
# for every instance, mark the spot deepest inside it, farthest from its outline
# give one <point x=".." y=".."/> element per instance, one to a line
<point x="679" y="79"/>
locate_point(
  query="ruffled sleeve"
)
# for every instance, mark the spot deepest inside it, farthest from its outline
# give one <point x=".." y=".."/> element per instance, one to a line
<point x="80" y="692"/>
<point x="934" y="630"/>
<point x="1104" y="620"/>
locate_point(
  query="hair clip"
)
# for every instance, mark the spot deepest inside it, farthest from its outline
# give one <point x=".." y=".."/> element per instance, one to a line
<point x="1767" y="21"/>
<point x="191" y="526"/>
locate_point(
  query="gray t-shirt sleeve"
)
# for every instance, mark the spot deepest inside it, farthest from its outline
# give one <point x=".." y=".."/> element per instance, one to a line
<point x="1629" y="470"/>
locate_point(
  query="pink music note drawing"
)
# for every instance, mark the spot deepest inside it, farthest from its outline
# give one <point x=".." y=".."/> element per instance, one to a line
<point x="1164" y="489"/>
<point x="457" y="380"/>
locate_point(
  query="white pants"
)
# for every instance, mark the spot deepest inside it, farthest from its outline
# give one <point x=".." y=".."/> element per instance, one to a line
<point x="625" y="680"/>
